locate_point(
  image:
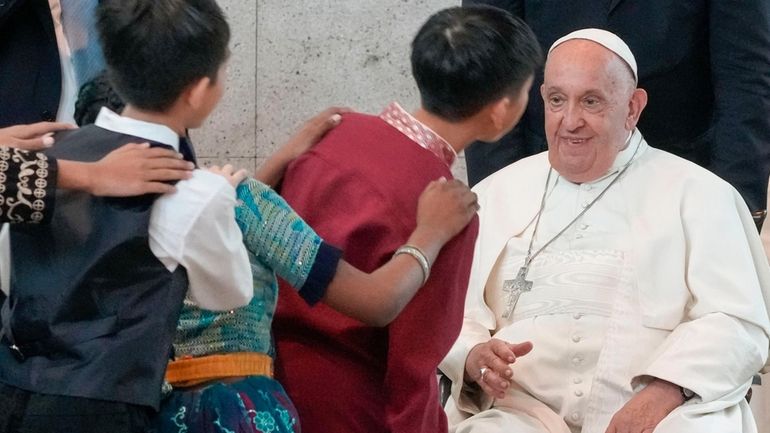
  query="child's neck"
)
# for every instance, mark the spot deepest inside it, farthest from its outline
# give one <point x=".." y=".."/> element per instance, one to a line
<point x="166" y="119"/>
<point x="458" y="134"/>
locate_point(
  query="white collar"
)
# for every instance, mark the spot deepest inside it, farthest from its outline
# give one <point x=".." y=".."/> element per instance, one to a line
<point x="111" y="121"/>
<point x="624" y="156"/>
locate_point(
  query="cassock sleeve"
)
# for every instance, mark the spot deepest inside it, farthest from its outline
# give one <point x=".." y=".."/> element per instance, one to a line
<point x="723" y="339"/>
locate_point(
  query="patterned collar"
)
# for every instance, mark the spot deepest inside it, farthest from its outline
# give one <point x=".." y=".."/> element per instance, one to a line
<point x="400" y="119"/>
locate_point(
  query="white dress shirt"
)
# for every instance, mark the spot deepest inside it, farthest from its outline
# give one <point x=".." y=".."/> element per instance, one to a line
<point x="195" y="226"/>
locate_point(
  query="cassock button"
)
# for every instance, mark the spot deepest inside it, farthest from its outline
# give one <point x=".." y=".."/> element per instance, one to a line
<point x="577" y="316"/>
<point x="578" y="236"/>
<point x="577" y="360"/>
<point x="578" y="393"/>
<point x="575" y="416"/>
<point x="577" y="381"/>
<point x="585" y="204"/>
<point x="583" y="226"/>
<point x="576" y="338"/>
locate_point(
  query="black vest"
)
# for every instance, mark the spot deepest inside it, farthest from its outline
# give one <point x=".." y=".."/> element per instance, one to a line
<point x="92" y="312"/>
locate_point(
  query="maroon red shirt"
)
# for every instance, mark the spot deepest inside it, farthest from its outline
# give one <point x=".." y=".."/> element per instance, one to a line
<point x="359" y="189"/>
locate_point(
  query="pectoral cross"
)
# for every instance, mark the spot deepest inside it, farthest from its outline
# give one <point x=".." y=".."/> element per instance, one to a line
<point x="514" y="288"/>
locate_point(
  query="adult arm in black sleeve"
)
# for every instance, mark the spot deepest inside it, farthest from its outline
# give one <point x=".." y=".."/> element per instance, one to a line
<point x="27" y="184"/>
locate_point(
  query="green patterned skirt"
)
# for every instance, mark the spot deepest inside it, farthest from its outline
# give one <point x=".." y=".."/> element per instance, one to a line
<point x="257" y="404"/>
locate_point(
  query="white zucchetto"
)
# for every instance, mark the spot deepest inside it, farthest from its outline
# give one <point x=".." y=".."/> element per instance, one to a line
<point x="609" y="40"/>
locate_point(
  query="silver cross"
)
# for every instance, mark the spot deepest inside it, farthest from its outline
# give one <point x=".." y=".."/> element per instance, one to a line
<point x="514" y="288"/>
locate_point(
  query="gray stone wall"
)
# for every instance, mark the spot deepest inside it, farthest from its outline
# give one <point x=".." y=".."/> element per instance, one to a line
<point x="290" y="59"/>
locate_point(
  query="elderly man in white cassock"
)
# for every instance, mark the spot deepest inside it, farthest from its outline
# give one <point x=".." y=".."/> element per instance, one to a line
<point x="615" y="287"/>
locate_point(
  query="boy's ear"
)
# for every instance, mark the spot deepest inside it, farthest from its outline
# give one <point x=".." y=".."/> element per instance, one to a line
<point x="196" y="93"/>
<point x="498" y="112"/>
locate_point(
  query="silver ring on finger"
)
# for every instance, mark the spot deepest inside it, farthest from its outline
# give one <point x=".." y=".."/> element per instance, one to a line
<point x="483" y="371"/>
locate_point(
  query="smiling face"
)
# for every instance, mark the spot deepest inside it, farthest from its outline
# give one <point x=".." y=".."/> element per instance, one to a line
<point x="591" y="104"/>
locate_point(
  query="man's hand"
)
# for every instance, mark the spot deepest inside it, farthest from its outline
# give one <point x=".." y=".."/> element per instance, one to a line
<point x="647" y="408"/>
<point x="133" y="169"/>
<point x="494" y="357"/>
<point x="271" y="172"/>
<point x="35" y="136"/>
<point x="233" y="176"/>
<point x="312" y="131"/>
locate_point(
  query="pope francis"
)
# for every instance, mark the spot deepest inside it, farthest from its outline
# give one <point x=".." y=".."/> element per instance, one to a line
<point x="615" y="288"/>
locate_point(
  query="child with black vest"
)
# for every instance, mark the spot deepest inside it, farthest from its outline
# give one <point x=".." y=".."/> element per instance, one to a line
<point x="95" y="295"/>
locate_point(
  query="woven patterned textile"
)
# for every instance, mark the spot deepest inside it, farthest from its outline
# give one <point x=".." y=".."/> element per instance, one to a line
<point x="278" y="242"/>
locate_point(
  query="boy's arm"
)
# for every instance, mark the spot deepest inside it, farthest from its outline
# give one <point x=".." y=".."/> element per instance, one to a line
<point x="271" y="172"/>
<point x="195" y="228"/>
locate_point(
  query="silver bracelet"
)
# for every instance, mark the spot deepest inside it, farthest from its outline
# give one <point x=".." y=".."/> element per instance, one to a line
<point x="419" y="256"/>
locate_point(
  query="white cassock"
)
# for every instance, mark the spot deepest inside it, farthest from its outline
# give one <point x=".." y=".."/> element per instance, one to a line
<point x="663" y="277"/>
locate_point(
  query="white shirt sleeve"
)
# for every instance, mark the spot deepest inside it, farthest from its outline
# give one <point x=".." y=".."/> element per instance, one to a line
<point x="195" y="227"/>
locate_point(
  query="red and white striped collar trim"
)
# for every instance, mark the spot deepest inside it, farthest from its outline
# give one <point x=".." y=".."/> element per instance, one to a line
<point x="400" y="119"/>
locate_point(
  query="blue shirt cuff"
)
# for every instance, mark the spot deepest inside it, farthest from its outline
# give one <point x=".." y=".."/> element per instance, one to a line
<point x="321" y="274"/>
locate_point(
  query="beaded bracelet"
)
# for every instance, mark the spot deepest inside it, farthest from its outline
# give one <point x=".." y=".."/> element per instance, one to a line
<point x="419" y="256"/>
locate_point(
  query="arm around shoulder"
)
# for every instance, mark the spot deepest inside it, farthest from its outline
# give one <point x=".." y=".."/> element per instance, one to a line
<point x="445" y="208"/>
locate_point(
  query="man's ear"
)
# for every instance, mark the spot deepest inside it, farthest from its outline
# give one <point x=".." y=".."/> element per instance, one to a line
<point x="635" y="107"/>
<point x="196" y="93"/>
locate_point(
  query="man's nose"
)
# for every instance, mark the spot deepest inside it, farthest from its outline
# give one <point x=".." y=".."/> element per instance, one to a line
<point x="573" y="117"/>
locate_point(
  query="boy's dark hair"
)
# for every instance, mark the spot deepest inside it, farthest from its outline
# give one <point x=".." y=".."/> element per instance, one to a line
<point x="94" y="95"/>
<point x="464" y="58"/>
<point x="155" y="49"/>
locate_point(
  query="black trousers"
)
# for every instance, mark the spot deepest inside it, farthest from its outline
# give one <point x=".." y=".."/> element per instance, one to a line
<point x="28" y="412"/>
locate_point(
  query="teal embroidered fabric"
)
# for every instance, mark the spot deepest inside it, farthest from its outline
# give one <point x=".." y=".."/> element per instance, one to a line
<point x="278" y="242"/>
